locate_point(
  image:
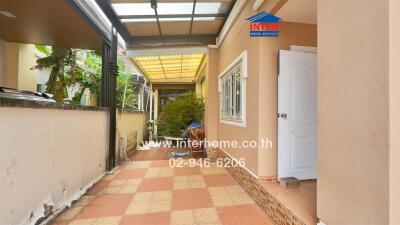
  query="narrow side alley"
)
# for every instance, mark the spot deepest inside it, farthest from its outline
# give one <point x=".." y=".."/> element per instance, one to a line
<point x="153" y="193"/>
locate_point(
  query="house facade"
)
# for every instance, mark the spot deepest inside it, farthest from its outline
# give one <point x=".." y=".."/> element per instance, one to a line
<point x="334" y="65"/>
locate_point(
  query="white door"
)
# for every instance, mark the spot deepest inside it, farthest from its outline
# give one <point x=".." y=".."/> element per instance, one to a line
<point x="297" y="108"/>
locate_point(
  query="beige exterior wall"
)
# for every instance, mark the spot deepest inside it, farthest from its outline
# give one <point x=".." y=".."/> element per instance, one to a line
<point x="394" y="37"/>
<point x="9" y="70"/>
<point x="201" y="83"/>
<point x="48" y="159"/>
<point x="203" y="89"/>
<point x="290" y="33"/>
<point x="27" y="78"/>
<point x="132" y="127"/>
<point x="200" y="89"/>
<point x="16" y="61"/>
<point x="353" y="112"/>
<point x="211" y="118"/>
<point x="261" y="85"/>
<point x="234" y="44"/>
<point x="2" y="61"/>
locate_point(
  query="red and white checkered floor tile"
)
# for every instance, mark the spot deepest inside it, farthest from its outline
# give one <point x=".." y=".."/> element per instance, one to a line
<point x="152" y="193"/>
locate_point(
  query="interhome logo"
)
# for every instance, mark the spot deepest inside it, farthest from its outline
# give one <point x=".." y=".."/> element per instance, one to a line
<point x="264" y="25"/>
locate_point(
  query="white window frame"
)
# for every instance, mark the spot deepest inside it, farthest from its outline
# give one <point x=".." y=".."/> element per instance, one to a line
<point x="242" y="58"/>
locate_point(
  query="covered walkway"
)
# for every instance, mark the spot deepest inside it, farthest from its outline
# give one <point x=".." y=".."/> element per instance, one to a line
<point x="152" y="193"/>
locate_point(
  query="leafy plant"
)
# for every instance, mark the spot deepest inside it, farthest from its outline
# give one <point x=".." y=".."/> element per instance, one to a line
<point x="55" y="59"/>
<point x="176" y="115"/>
<point x="126" y="89"/>
<point x="82" y="69"/>
<point x="86" y="72"/>
<point x="70" y="67"/>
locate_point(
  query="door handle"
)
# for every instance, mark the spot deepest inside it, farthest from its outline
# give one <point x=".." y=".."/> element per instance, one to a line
<point x="282" y="115"/>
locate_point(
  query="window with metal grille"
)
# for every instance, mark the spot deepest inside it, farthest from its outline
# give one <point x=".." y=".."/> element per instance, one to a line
<point x="231" y="94"/>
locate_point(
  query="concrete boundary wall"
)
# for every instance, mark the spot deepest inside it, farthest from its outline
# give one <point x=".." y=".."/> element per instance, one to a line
<point x="48" y="158"/>
<point x="131" y="126"/>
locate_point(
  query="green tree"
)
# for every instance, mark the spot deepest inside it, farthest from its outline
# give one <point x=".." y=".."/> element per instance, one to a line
<point x="86" y="73"/>
<point x="126" y="88"/>
<point x="55" y="59"/>
<point x="83" y="68"/>
<point x="68" y="68"/>
<point x="176" y="115"/>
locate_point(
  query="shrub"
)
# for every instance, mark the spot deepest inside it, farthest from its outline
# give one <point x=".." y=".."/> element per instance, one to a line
<point x="176" y="115"/>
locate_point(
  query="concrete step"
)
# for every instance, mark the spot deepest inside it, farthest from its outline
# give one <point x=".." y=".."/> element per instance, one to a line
<point x="289" y="182"/>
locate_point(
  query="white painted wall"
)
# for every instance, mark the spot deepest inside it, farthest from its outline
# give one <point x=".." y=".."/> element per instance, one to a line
<point x="155" y="102"/>
<point x="47" y="156"/>
<point x="43" y="76"/>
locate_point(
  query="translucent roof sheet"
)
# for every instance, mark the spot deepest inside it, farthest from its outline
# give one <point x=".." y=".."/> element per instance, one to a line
<point x="207" y="8"/>
<point x="123" y="9"/>
<point x="139" y="20"/>
<point x="169" y="66"/>
<point x="206" y="27"/>
<point x="174" y="8"/>
<point x="175" y="28"/>
<point x="173" y="23"/>
<point x="170" y="8"/>
<point x="143" y="29"/>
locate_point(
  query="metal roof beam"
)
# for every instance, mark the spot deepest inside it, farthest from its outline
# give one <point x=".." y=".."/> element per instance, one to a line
<point x="106" y="7"/>
<point x="192" y="17"/>
<point x="154" y="6"/>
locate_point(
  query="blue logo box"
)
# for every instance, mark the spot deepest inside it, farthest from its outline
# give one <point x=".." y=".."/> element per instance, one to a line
<point x="262" y="33"/>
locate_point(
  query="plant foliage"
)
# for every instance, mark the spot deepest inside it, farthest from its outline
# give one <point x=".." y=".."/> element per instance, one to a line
<point x="176" y="115"/>
<point x="126" y="89"/>
<point x="70" y="67"/>
<point x="81" y="68"/>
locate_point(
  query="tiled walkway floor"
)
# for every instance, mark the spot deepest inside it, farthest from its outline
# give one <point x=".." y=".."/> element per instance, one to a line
<point x="157" y="154"/>
<point x="152" y="193"/>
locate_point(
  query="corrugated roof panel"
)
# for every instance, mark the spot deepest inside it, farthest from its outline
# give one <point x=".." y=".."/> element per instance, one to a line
<point x="169" y="66"/>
